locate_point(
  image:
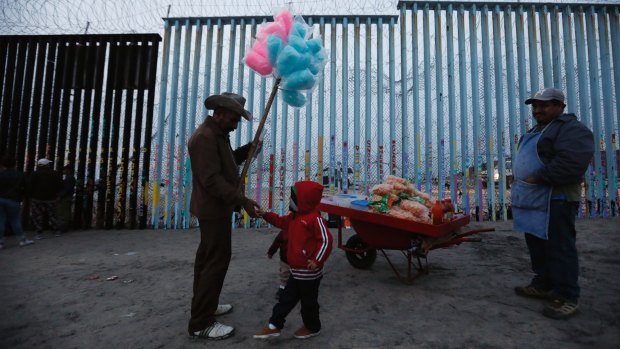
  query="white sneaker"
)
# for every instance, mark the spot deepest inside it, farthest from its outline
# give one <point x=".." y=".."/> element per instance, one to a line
<point x="223" y="309"/>
<point x="216" y="331"/>
<point x="26" y="242"/>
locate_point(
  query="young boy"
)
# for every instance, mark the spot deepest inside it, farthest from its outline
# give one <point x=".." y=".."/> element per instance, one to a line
<point x="280" y="243"/>
<point x="309" y="246"/>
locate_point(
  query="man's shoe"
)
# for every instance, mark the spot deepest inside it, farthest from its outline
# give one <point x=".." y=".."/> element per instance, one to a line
<point x="216" y="331"/>
<point x="560" y="309"/>
<point x="267" y="332"/>
<point x="26" y="242"/>
<point x="534" y="292"/>
<point x="223" y="309"/>
<point x="304" y="333"/>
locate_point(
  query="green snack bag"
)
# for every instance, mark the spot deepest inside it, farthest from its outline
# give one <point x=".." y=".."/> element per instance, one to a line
<point x="380" y="206"/>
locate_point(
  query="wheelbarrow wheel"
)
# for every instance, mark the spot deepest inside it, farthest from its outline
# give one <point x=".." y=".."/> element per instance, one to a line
<point x="360" y="260"/>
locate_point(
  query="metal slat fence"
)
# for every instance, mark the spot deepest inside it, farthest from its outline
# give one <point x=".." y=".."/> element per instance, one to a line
<point x="449" y="119"/>
<point x="54" y="104"/>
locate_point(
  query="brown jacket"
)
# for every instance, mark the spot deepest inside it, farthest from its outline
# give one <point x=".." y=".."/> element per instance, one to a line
<point x="215" y="172"/>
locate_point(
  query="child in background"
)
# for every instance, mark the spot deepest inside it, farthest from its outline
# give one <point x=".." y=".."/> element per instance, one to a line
<point x="280" y="243"/>
<point x="309" y="245"/>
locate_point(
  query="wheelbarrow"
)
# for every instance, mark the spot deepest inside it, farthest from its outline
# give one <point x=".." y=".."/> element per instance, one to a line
<point x="377" y="231"/>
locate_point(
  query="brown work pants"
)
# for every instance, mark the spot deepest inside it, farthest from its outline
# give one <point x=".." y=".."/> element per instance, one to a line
<point x="210" y="267"/>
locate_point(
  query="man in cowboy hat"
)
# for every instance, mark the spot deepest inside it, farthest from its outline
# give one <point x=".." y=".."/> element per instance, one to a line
<point x="215" y="194"/>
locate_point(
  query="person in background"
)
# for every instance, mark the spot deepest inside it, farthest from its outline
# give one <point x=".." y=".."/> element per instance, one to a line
<point x="280" y="243"/>
<point x="548" y="170"/>
<point x="309" y="246"/>
<point x="43" y="188"/>
<point x="65" y="199"/>
<point x="11" y="195"/>
<point x="215" y="195"/>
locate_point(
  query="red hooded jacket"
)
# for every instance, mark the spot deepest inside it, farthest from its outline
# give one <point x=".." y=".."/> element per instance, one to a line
<point x="306" y="232"/>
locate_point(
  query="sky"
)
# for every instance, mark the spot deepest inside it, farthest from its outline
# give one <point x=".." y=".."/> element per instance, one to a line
<point x="145" y="16"/>
<point x="33" y="17"/>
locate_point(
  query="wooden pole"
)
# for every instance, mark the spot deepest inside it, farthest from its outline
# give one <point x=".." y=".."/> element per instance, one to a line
<point x="248" y="161"/>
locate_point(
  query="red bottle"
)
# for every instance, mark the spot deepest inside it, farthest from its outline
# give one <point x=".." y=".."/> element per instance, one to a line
<point x="449" y="209"/>
<point x="437" y="212"/>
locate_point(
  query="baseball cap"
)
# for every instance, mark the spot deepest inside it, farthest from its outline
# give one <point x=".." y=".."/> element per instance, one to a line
<point x="548" y="94"/>
<point x="44" y="162"/>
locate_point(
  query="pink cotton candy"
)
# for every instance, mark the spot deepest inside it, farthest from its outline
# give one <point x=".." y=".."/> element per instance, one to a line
<point x="275" y="28"/>
<point x="258" y="63"/>
<point x="260" y="48"/>
<point x="286" y="18"/>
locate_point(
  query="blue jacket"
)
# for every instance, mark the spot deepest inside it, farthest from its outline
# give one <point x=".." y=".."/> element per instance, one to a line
<point x="566" y="148"/>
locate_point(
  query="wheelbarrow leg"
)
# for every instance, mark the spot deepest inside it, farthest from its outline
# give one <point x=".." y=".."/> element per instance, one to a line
<point x="410" y="277"/>
<point x="422" y="269"/>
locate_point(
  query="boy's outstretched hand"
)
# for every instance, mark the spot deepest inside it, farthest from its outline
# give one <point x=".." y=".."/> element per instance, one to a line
<point x="252" y="208"/>
<point x="312" y="264"/>
<point x="260" y="212"/>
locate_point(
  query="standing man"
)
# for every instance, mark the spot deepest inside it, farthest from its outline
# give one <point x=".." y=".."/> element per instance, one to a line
<point x="215" y="195"/>
<point x="11" y="195"/>
<point x="65" y="199"/>
<point x="548" y="169"/>
<point x="44" y="186"/>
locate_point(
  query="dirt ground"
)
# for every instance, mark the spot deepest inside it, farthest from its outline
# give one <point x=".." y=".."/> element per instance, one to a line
<point x="55" y="294"/>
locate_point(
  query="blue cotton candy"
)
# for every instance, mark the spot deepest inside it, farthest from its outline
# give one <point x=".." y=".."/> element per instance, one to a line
<point x="314" y="45"/>
<point x="274" y="45"/>
<point x="298" y="29"/>
<point x="291" y="60"/>
<point x="317" y="62"/>
<point x="299" y="80"/>
<point x="293" y="98"/>
<point x="299" y="44"/>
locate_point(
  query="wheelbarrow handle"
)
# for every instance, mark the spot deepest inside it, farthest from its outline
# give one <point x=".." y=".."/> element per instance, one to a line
<point x="461" y="238"/>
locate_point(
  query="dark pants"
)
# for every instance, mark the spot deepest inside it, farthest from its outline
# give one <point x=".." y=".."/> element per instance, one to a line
<point x="40" y="209"/>
<point x="212" y="259"/>
<point x="64" y="212"/>
<point x="554" y="261"/>
<point x="304" y="291"/>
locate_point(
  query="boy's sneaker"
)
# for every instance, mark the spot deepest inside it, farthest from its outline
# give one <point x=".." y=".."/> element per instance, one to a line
<point x="25" y="242"/>
<point x="533" y="292"/>
<point x="304" y="333"/>
<point x="39" y="236"/>
<point x="223" y="309"/>
<point x="216" y="331"/>
<point x="58" y="234"/>
<point x="560" y="309"/>
<point x="267" y="332"/>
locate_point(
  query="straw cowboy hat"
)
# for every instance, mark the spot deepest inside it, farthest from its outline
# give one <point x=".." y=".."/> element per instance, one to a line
<point x="230" y="101"/>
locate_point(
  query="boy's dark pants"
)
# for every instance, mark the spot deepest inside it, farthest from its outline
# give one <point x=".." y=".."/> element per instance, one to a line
<point x="212" y="260"/>
<point x="304" y="291"/>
